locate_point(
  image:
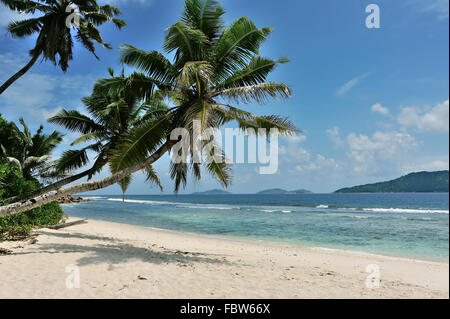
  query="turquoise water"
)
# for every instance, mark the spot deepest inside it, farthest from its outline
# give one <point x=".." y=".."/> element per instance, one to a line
<point x="410" y="225"/>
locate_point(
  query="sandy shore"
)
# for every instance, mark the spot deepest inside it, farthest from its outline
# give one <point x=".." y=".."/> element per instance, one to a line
<point x="121" y="261"/>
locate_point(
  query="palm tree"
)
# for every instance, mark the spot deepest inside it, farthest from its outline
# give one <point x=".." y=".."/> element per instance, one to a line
<point x="54" y="39"/>
<point x="30" y="152"/>
<point x="112" y="114"/>
<point x="212" y="66"/>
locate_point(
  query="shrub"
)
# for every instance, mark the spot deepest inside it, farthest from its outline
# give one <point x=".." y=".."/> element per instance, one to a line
<point x="17" y="227"/>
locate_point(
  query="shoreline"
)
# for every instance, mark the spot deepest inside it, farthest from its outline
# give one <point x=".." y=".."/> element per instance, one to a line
<point x="293" y="244"/>
<point x="124" y="261"/>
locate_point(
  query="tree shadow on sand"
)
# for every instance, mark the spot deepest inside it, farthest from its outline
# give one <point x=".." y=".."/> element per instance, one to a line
<point x="118" y="252"/>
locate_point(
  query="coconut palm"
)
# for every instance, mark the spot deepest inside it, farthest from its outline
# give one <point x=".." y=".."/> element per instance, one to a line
<point x="30" y="152"/>
<point x="212" y="68"/>
<point x="111" y="115"/>
<point x="54" y="38"/>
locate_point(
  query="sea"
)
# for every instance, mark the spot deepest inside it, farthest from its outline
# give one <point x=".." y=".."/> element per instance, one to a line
<point x="403" y="225"/>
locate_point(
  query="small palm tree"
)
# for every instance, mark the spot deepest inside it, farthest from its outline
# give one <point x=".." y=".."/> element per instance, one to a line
<point x="54" y="41"/>
<point x="112" y="115"/>
<point x="30" y="152"/>
<point x="212" y="67"/>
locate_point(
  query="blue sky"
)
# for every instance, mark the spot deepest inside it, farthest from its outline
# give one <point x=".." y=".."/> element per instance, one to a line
<point x="372" y="103"/>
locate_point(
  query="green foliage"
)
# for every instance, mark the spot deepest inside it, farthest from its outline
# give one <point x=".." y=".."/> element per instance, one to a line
<point x="422" y="182"/>
<point x="30" y="151"/>
<point x="117" y="106"/>
<point x="54" y="40"/>
<point x="18" y="226"/>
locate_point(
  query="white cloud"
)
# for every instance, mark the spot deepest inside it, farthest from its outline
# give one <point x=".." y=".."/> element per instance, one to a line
<point x="378" y="108"/>
<point x="320" y="162"/>
<point x="335" y="136"/>
<point x="346" y="87"/>
<point x="37" y="96"/>
<point x="427" y="163"/>
<point x="434" y="119"/>
<point x="294" y="139"/>
<point x="367" y="153"/>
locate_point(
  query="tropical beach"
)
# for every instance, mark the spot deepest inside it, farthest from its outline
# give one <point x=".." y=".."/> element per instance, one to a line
<point x="122" y="261"/>
<point x="195" y="149"/>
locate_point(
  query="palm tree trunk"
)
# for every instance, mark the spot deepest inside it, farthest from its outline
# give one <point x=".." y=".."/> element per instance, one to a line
<point x="38" y="201"/>
<point x="21" y="72"/>
<point x="46" y="189"/>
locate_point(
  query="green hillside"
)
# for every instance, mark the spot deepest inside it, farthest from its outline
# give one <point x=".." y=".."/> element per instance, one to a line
<point x="422" y="182"/>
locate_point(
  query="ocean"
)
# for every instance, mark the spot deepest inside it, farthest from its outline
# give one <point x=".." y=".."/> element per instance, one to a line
<point x="406" y="225"/>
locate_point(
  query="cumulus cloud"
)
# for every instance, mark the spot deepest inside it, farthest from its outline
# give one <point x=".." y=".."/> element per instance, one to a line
<point x="320" y="162"/>
<point x="37" y="96"/>
<point x="426" y="163"/>
<point x="378" y="108"/>
<point x="295" y="138"/>
<point x="434" y="119"/>
<point x="346" y="87"/>
<point x="335" y="137"/>
<point x="302" y="160"/>
<point x="367" y="152"/>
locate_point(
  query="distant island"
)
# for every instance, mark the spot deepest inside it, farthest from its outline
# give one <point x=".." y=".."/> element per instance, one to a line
<point x="213" y="192"/>
<point x="273" y="191"/>
<point x="279" y="191"/>
<point x="421" y="182"/>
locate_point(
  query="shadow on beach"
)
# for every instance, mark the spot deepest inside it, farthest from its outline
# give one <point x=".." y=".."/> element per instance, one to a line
<point x="116" y="252"/>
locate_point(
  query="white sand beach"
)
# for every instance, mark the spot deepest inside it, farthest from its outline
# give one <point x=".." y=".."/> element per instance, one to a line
<point x="122" y="261"/>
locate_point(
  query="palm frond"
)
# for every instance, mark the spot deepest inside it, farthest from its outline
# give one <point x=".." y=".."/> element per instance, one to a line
<point x="141" y="141"/>
<point x="215" y="162"/>
<point x="205" y="15"/>
<point x="237" y="45"/>
<point x="153" y="63"/>
<point x="75" y="121"/>
<point x="254" y="73"/>
<point x="22" y="28"/>
<point x="188" y="43"/>
<point x="251" y="123"/>
<point x="259" y="93"/>
<point x="152" y="177"/>
<point x="72" y="160"/>
<point x="178" y="172"/>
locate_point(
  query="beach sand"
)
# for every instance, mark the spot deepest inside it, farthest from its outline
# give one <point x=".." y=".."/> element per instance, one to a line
<point x="122" y="261"/>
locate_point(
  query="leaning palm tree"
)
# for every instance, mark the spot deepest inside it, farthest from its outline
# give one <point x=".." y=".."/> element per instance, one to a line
<point x="53" y="28"/>
<point x="111" y="115"/>
<point x="30" y="152"/>
<point x="212" y="67"/>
